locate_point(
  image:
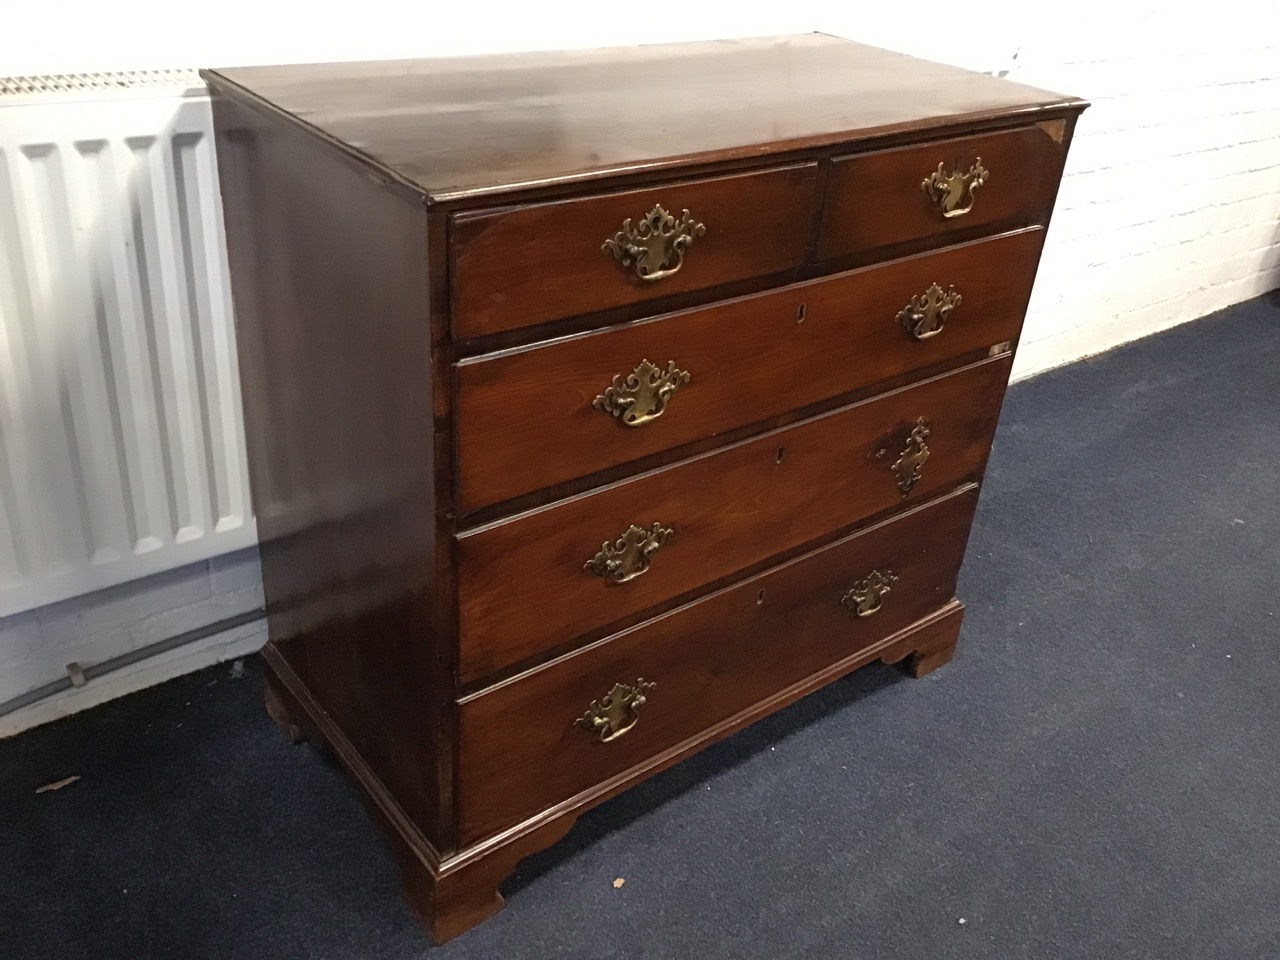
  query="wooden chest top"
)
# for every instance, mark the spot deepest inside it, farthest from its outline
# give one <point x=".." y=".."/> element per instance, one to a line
<point x="468" y="128"/>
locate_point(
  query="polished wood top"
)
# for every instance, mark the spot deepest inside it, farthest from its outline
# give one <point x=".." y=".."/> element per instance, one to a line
<point x="472" y="127"/>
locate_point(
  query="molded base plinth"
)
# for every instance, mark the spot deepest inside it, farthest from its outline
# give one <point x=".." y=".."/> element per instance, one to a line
<point x="454" y="892"/>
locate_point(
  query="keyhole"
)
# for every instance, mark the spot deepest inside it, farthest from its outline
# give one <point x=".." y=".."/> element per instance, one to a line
<point x="781" y="451"/>
<point x="800" y="314"/>
<point x="759" y="598"/>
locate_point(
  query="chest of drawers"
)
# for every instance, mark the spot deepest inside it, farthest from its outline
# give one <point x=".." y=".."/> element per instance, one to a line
<point x="599" y="404"/>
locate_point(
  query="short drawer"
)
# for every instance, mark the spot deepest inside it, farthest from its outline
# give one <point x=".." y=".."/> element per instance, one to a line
<point x="523" y="750"/>
<point x="533" y="264"/>
<point x="533" y="583"/>
<point x="536" y="417"/>
<point x="910" y="194"/>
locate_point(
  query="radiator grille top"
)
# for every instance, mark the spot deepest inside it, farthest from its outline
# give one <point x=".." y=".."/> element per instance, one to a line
<point x="107" y="82"/>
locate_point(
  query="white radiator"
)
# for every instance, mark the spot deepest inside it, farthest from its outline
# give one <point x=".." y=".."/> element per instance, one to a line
<point x="121" y="439"/>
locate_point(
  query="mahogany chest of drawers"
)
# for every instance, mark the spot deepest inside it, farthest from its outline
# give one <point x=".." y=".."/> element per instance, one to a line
<point x="600" y="403"/>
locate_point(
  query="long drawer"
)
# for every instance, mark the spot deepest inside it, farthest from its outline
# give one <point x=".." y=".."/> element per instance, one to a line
<point x="535" y="417"/>
<point x="530" y="584"/>
<point x="522" y="748"/>
<point x="520" y="267"/>
<point x="931" y="191"/>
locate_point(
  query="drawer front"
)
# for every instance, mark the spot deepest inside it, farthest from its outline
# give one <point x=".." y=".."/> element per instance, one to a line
<point x="533" y="583"/>
<point x="526" y="266"/>
<point x="877" y="199"/>
<point x="540" y="416"/>
<point x="521" y="750"/>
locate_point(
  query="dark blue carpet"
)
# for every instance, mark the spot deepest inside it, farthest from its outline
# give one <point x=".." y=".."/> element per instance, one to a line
<point x="1094" y="776"/>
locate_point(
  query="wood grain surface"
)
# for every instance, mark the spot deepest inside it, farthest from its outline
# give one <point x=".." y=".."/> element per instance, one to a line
<point x="522" y="589"/>
<point x="526" y="420"/>
<point x="519" y="747"/>
<point x="475" y="128"/>
<point x="876" y="200"/>
<point x="542" y="262"/>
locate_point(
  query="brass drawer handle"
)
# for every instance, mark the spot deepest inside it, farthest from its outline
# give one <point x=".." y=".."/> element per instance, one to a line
<point x="953" y="192"/>
<point x="927" y="313"/>
<point x="914" y="454"/>
<point x="641" y="395"/>
<point x="656" y="244"/>
<point x="628" y="556"/>
<point x="868" y="594"/>
<point x="616" y="712"/>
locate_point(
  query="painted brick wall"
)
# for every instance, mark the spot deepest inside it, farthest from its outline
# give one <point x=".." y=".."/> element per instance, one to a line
<point x="37" y="646"/>
<point x="1170" y="208"/>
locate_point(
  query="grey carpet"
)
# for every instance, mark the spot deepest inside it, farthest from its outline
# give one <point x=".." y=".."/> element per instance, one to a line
<point x="1094" y="776"/>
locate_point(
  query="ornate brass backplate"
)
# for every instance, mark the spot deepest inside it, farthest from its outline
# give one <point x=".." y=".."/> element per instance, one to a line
<point x="655" y="245"/>
<point x="616" y="712"/>
<point x="927" y="313"/>
<point x="953" y="192"/>
<point x="914" y="454"/>
<point x="628" y="556"/>
<point x="641" y="395"/>
<point x="868" y="594"/>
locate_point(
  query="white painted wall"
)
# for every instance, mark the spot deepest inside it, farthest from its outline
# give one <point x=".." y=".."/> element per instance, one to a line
<point x="1170" y="208"/>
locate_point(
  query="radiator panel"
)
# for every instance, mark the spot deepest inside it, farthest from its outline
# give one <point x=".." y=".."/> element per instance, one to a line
<point x="123" y="443"/>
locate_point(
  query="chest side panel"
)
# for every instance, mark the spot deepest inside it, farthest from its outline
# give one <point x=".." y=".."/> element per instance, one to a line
<point x="329" y="272"/>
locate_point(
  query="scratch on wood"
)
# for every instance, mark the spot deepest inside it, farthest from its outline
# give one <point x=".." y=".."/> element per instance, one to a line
<point x="1054" y="128"/>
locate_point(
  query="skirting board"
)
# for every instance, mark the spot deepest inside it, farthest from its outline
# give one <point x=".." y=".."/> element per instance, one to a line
<point x="239" y="641"/>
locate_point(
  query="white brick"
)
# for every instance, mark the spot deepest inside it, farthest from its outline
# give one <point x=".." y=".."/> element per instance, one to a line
<point x="1060" y="64"/>
<point x="101" y="626"/>
<point x="1253" y="197"/>
<point x="1180" y="240"/>
<point x="20" y="640"/>
<point x="237" y="582"/>
<point x="1228" y="160"/>
<point x="235" y="571"/>
<point x="1148" y="108"/>
<point x="223" y="646"/>
<point x="1106" y="149"/>
<point x="106" y="623"/>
